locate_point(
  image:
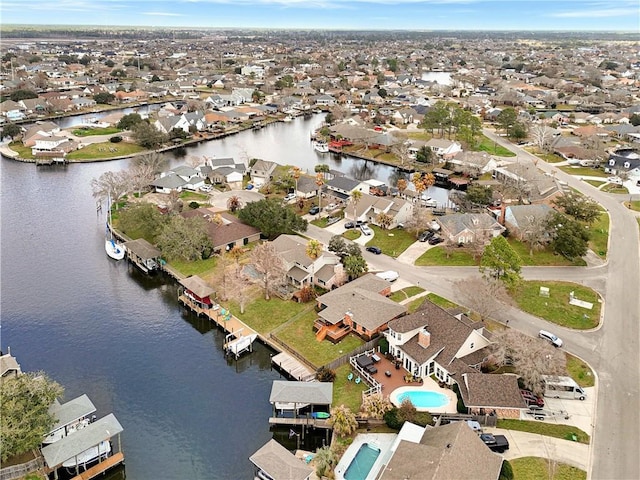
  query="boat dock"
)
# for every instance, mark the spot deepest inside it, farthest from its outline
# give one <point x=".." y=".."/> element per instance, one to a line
<point x="100" y="468"/>
<point x="301" y="421"/>
<point x="292" y="367"/>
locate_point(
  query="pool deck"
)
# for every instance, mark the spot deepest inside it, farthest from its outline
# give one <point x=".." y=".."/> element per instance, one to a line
<point x="383" y="441"/>
<point x="428" y="386"/>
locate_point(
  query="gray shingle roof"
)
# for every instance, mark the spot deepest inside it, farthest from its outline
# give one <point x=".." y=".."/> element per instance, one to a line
<point x="315" y="393"/>
<point x="198" y="286"/>
<point x="71" y="411"/>
<point x="279" y="463"/>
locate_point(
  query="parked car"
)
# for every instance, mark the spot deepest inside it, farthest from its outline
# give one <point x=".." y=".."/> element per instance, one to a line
<point x="349" y="225"/>
<point x="375" y="250"/>
<point x="289" y="196"/>
<point x="331" y="206"/>
<point x="249" y="186"/>
<point x="555" y="341"/>
<point x="359" y="223"/>
<point x="366" y="230"/>
<point x="314" y="210"/>
<point x="389" y="275"/>
<point x="531" y="399"/>
<point x="206" y="187"/>
<point x="332" y="220"/>
<point x="497" y="443"/>
<point x="435" y="240"/>
<point x="426" y="235"/>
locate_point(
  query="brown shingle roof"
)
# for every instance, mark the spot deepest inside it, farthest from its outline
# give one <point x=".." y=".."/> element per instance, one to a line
<point x="498" y="391"/>
<point x="231" y="230"/>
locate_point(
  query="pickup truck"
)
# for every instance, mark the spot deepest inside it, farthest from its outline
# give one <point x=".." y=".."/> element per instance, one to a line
<point x="496" y="443"/>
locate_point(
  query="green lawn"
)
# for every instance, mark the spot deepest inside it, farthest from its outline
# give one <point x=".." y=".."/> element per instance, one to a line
<point x="556" y="307"/>
<point x="441" y="301"/>
<point x="405" y="293"/>
<point x="614" y="188"/>
<point x="634" y="205"/>
<point x="542" y="258"/>
<point x="265" y="315"/>
<point x="556" y="430"/>
<point x="580" y="371"/>
<point x="595" y="183"/>
<point x="550" y="157"/>
<point x="600" y="235"/>
<point x="489" y="146"/>
<point x="583" y="171"/>
<point x="105" y="150"/>
<point x="392" y="242"/>
<point x="86" y="132"/>
<point x="299" y="335"/>
<point x="199" y="267"/>
<point x="345" y="392"/>
<point x="413" y="305"/>
<point x="536" y="468"/>
<point x="24" y="152"/>
<point x="352" y="234"/>
<point x="438" y="256"/>
<point x="188" y="197"/>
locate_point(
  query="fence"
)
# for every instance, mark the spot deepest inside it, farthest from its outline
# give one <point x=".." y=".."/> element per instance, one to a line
<point x="338" y="362"/>
<point x="19" y="471"/>
<point x="292" y="352"/>
<point x="485" y="420"/>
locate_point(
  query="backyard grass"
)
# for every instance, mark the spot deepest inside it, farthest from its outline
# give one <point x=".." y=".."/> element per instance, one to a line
<point x="550" y="157"/>
<point x="21" y="150"/>
<point x="489" y="146"/>
<point x="188" y="197"/>
<point x="583" y="171"/>
<point x="392" y="242"/>
<point x="299" y="334"/>
<point x="599" y="241"/>
<point x="438" y="256"/>
<point x="580" y="371"/>
<point x="595" y="183"/>
<point x="86" y="132"/>
<point x="556" y="430"/>
<point x="352" y="234"/>
<point x="542" y="258"/>
<point x="405" y="293"/>
<point x="441" y="301"/>
<point x="614" y="188"/>
<point x="105" y="150"/>
<point x="265" y="315"/>
<point x="556" y="308"/>
<point x="535" y="468"/>
<point x="345" y="392"/>
<point x="198" y="267"/>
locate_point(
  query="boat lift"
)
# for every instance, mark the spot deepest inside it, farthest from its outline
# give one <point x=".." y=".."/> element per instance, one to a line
<point x="236" y="344"/>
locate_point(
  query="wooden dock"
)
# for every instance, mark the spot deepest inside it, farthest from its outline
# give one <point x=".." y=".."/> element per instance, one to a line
<point x="100" y="468"/>
<point x="293" y="367"/>
<point x="303" y="421"/>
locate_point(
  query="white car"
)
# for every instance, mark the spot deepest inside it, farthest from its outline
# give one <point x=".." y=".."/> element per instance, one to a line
<point x="366" y="230"/>
<point x="205" y="188"/>
<point x="615" y="180"/>
<point x="289" y="197"/>
<point x="555" y="341"/>
<point x="389" y="275"/>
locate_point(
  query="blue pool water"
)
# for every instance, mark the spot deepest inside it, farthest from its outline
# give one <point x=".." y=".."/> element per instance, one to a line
<point x="361" y="464"/>
<point x="424" y="399"/>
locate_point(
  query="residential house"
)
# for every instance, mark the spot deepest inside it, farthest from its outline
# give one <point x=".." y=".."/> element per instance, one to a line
<point x="473" y="163"/>
<point x="445" y="452"/>
<point x="519" y="218"/>
<point x="360" y="306"/>
<point x="49" y="144"/>
<point x="262" y="172"/>
<point x="340" y="188"/>
<point x="528" y="183"/>
<point x="225" y="230"/>
<point x="307" y="187"/>
<point x="9" y="366"/>
<point x="625" y="160"/>
<point x="443" y="148"/>
<point x="324" y="271"/>
<point x="38" y="131"/>
<point x="168" y="182"/>
<point x="12" y="111"/>
<point x="325" y="100"/>
<point x="492" y="394"/>
<point x="369" y="207"/>
<point x="461" y="228"/>
<point x="176" y="122"/>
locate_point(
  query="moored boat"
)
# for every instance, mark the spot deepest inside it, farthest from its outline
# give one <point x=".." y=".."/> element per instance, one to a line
<point x="320" y="146"/>
<point x="113" y="249"/>
<point x="102" y="450"/>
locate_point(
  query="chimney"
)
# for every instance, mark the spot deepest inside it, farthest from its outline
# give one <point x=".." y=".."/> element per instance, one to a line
<point x="348" y="318"/>
<point x="424" y="338"/>
<point x="502" y="212"/>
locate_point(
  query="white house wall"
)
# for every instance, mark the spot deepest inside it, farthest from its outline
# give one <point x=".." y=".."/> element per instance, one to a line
<point x="473" y="343"/>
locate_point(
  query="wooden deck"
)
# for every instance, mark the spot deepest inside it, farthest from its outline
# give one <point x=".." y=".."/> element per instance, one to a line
<point x="310" y="422"/>
<point x="293" y="367"/>
<point x="101" y="467"/>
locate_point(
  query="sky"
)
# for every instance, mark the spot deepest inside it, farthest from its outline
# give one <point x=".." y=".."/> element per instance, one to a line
<point x="518" y="15"/>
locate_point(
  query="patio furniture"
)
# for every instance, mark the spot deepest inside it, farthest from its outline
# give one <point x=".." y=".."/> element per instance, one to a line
<point x="375" y="358"/>
<point x="387" y="373"/>
<point x="350" y="376"/>
<point x="358" y="380"/>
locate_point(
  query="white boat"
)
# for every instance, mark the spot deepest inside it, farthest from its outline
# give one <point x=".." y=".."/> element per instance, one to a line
<point x="322" y="147"/>
<point x="434" y="226"/>
<point x="240" y="344"/>
<point x="113" y="249"/>
<point x="102" y="450"/>
<point x="288" y="118"/>
<point x="60" y="433"/>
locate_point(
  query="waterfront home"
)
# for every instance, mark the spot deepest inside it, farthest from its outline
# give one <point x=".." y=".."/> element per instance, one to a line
<point x="369" y="207"/>
<point x="529" y="183"/>
<point x="168" y="182"/>
<point x="225" y="230"/>
<point x="519" y="218"/>
<point x="360" y="306"/>
<point x="301" y="269"/>
<point x="474" y="163"/>
<point x="273" y="461"/>
<point x="340" y="188"/>
<point x="9" y="366"/>
<point x="262" y="172"/>
<point x="442" y="453"/>
<point x="443" y="148"/>
<point x="461" y="228"/>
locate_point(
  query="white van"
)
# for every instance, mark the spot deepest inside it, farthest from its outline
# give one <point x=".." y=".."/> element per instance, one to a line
<point x="562" y="387"/>
<point x="389" y="275"/>
<point x="555" y="341"/>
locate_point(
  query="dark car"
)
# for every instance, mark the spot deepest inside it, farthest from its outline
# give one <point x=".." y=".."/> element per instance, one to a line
<point x="349" y="225"/>
<point x="375" y="250"/>
<point x="426" y="235"/>
<point x="531" y="399"/>
<point x="435" y="240"/>
<point x="497" y="443"/>
<point x="314" y="210"/>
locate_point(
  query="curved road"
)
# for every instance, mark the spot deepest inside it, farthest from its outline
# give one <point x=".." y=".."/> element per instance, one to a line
<point x="612" y="349"/>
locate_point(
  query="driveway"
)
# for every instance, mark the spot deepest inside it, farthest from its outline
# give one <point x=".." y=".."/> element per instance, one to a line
<point x="415" y="251"/>
<point x="219" y="199"/>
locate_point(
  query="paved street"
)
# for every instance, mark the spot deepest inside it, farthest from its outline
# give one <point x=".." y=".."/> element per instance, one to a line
<point x="611" y="349"/>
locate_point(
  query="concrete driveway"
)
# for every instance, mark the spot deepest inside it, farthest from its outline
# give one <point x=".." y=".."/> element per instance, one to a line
<point x="415" y="251"/>
<point x="219" y="199"/>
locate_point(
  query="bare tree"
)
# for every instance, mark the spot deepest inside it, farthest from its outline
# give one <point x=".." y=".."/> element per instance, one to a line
<point x="531" y="358"/>
<point x="111" y="184"/>
<point x="266" y="260"/>
<point x="140" y="176"/>
<point x="239" y="289"/>
<point x="156" y="162"/>
<point x="484" y="296"/>
<point x="195" y="161"/>
<point x="542" y="135"/>
<point x="535" y="232"/>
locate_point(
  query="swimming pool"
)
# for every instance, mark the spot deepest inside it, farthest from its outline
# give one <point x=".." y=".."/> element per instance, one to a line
<point x="423" y="399"/>
<point x="361" y="464"/>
